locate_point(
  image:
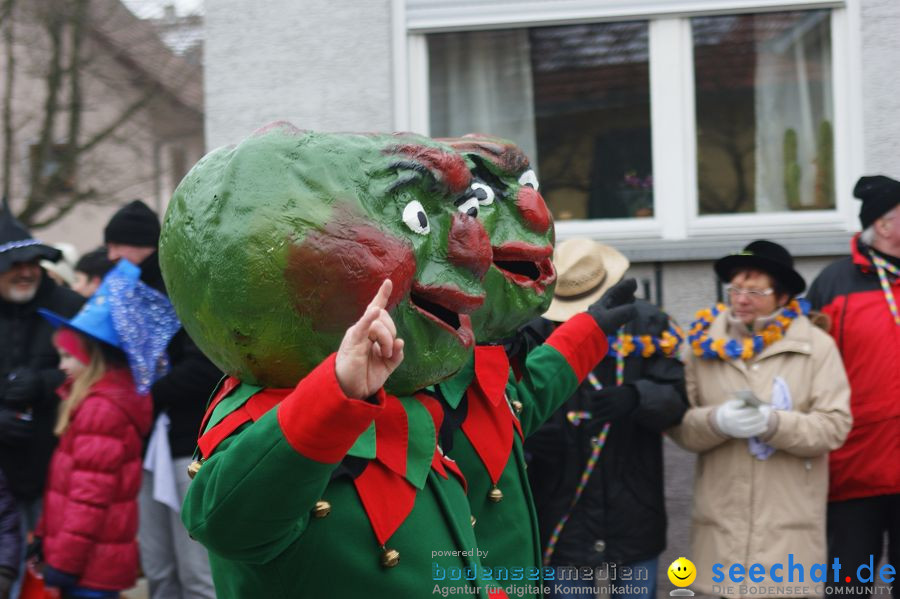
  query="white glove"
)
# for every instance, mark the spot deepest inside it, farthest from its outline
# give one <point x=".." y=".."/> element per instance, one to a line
<point x="735" y="419"/>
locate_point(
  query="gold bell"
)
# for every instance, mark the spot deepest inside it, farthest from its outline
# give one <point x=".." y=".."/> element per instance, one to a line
<point x="517" y="406"/>
<point x="194" y="468"/>
<point x="322" y="509"/>
<point x="495" y="494"/>
<point x="473" y="520"/>
<point x="390" y="558"/>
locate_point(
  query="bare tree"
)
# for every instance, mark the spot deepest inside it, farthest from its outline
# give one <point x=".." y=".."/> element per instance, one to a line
<point x="71" y="34"/>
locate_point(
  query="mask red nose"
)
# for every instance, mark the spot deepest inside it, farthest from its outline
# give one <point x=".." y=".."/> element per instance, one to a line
<point x="469" y="246"/>
<point x="533" y="208"/>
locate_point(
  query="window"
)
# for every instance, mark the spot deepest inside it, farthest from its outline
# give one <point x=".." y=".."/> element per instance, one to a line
<point x="746" y="111"/>
<point x="764" y="112"/>
<point x="576" y="98"/>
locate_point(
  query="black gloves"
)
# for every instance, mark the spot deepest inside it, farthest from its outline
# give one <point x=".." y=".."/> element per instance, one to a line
<point x="615" y="307"/>
<point x="611" y="403"/>
<point x="35" y="550"/>
<point x="7" y="576"/>
<point x="58" y="578"/>
<point x="23" y="386"/>
<point x="15" y="427"/>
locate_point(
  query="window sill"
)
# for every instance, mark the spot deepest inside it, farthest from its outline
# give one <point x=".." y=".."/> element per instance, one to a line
<point x="711" y="247"/>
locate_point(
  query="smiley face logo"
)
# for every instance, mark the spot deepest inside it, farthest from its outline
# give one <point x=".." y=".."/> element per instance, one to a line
<point x="682" y="572"/>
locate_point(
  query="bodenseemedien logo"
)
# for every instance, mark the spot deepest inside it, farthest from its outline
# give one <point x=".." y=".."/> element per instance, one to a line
<point x="682" y="573"/>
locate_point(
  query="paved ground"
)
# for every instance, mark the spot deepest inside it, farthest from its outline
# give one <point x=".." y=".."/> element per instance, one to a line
<point x="679" y="496"/>
<point x="138" y="592"/>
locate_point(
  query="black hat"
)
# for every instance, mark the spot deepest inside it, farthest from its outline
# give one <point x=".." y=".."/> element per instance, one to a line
<point x="17" y="244"/>
<point x="879" y="194"/>
<point x="134" y="224"/>
<point x="768" y="257"/>
<point x="95" y="263"/>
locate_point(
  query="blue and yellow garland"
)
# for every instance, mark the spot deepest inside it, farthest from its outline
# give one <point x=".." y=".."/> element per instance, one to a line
<point x="708" y="348"/>
<point x="666" y="344"/>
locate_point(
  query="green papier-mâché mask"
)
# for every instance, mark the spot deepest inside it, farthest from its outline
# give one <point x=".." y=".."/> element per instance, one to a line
<point x="521" y="279"/>
<point x="271" y="249"/>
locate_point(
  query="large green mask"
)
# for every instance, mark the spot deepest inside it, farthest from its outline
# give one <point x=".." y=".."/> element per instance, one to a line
<point x="521" y="278"/>
<point x="272" y="248"/>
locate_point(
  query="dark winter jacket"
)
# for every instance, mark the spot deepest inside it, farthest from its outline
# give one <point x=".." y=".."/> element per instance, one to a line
<point x="10" y="532"/>
<point x="184" y="391"/>
<point x="27" y="343"/>
<point x="850" y="293"/>
<point x="90" y="521"/>
<point x="621" y="516"/>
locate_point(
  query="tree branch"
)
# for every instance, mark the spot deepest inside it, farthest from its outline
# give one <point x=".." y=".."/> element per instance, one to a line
<point x="8" y="87"/>
<point x="126" y="114"/>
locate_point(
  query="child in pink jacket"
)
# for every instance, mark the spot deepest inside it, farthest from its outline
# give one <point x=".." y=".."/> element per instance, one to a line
<point x="90" y="519"/>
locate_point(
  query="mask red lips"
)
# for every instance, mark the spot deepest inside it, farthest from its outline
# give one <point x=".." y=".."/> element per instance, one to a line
<point x="526" y="265"/>
<point x="448" y="307"/>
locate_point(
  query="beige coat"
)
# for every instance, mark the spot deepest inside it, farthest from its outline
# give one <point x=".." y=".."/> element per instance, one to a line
<point x="748" y="510"/>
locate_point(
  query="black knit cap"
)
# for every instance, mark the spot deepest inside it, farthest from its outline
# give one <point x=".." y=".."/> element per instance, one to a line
<point x="768" y="257"/>
<point x="17" y="244"/>
<point x="134" y="224"/>
<point x="879" y="194"/>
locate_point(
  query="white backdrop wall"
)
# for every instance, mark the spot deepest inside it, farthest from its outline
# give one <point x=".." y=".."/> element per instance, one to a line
<point x="880" y="56"/>
<point x="319" y="64"/>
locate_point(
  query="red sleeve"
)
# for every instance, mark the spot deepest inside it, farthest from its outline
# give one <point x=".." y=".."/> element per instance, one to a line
<point x="319" y="421"/>
<point x="581" y="342"/>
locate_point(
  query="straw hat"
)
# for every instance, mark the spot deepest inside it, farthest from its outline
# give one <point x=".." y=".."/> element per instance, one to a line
<point x="585" y="270"/>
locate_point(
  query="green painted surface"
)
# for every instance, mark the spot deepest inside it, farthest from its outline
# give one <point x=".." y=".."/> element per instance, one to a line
<point x="270" y="249"/>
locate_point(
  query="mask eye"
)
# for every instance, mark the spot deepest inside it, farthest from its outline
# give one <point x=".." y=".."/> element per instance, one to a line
<point x="468" y="206"/>
<point x="415" y="218"/>
<point x="484" y="193"/>
<point x="530" y="179"/>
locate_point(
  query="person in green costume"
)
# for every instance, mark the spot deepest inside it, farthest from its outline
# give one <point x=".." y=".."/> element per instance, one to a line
<point x="498" y="409"/>
<point x="333" y="486"/>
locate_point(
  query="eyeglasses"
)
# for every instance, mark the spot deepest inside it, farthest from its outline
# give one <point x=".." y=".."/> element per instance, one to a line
<point x="752" y="293"/>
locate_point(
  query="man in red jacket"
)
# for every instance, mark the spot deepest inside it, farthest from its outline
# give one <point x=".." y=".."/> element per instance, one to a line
<point x="860" y="294"/>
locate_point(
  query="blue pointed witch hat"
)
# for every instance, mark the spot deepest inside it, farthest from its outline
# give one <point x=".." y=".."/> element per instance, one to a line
<point x="130" y="315"/>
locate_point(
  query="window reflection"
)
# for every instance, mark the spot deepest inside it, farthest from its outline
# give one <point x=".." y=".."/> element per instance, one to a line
<point x="765" y="139"/>
<point x="576" y="98"/>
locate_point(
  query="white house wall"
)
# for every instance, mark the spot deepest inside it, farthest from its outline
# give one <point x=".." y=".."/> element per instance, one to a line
<point x="319" y="64"/>
<point x="880" y="54"/>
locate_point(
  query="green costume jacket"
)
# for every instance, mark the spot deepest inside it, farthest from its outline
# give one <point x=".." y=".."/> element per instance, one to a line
<point x="497" y="411"/>
<point x="305" y="495"/>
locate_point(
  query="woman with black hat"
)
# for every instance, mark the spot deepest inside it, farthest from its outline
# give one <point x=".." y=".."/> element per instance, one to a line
<point x="769" y="399"/>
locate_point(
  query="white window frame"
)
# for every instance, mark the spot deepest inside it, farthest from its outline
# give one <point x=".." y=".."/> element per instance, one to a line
<point x="673" y="120"/>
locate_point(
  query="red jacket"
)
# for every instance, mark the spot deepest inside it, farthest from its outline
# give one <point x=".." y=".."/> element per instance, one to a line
<point x="90" y="520"/>
<point x="849" y="292"/>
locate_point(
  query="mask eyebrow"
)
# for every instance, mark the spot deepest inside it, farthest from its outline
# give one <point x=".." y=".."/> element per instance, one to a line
<point x="447" y="168"/>
<point x="509" y="158"/>
<point x="414" y="174"/>
<point x="482" y="171"/>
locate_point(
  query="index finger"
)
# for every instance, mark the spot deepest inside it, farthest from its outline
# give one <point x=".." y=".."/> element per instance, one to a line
<point x="384" y="293"/>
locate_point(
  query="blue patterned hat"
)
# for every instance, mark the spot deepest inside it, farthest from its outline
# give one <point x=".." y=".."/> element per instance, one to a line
<point x="128" y="314"/>
<point x="94" y="319"/>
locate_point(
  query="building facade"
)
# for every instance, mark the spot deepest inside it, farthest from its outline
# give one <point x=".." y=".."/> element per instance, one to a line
<point x="676" y="130"/>
<point x="141" y="114"/>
